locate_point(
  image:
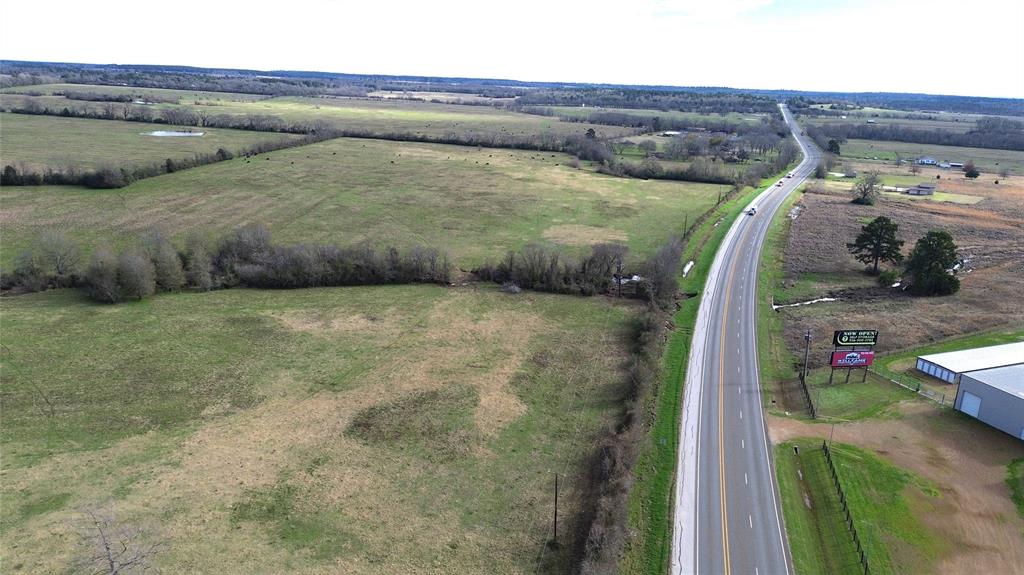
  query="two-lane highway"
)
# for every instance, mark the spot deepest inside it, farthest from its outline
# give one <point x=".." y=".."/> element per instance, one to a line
<point x="727" y="515"/>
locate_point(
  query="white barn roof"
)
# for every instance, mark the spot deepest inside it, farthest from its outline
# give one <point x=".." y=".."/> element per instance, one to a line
<point x="1009" y="379"/>
<point x="978" y="358"/>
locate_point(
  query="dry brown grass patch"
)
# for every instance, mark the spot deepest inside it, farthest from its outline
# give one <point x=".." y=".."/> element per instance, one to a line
<point x="579" y="235"/>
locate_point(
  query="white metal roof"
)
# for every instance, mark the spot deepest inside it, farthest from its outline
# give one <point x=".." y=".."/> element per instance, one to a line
<point x="978" y="358"/>
<point x="1009" y="379"/>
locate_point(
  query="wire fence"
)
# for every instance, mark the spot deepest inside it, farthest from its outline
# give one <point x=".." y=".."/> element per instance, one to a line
<point x="914" y="385"/>
<point x="807" y="398"/>
<point x="861" y="553"/>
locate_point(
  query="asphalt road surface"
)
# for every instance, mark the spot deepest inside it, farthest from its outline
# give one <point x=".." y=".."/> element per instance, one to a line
<point x="727" y="516"/>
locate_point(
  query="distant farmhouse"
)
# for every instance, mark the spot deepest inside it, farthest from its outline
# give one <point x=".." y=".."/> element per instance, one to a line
<point x="944" y="164"/>
<point x="922" y="189"/>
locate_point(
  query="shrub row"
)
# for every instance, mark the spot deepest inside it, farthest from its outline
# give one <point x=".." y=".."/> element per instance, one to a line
<point x="611" y="472"/>
<point x="243" y="257"/>
<point x="106" y="177"/>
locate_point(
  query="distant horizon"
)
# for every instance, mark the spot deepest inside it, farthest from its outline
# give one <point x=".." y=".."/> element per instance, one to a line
<point x="496" y="79"/>
<point x="939" y="47"/>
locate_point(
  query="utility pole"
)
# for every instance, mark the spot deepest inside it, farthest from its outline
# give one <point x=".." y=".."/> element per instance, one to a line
<point x="807" y="349"/>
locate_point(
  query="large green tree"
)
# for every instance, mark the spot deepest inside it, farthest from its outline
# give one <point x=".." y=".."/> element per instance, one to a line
<point x="931" y="257"/>
<point x="877" y="243"/>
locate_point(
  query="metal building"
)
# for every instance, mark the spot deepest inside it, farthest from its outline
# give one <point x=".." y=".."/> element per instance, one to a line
<point x="994" y="396"/>
<point x="950" y="365"/>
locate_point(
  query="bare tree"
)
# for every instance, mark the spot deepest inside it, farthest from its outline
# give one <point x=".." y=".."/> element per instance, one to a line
<point x="198" y="263"/>
<point x="867" y="190"/>
<point x="915" y="168"/>
<point x="101" y="276"/>
<point x="113" y="548"/>
<point x="59" y="254"/>
<point x="135" y="275"/>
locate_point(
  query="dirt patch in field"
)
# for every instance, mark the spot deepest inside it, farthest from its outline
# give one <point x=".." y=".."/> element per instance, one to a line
<point x="579" y="235"/>
<point x="320" y="324"/>
<point x="964" y="458"/>
<point x="506" y="338"/>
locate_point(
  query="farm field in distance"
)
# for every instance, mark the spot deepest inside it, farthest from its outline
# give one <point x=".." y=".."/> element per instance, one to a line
<point x="367" y="430"/>
<point x="676" y="115"/>
<point x="986" y="160"/>
<point x="477" y="203"/>
<point x="39" y="143"/>
<point x="143" y="92"/>
<point x="359" y="114"/>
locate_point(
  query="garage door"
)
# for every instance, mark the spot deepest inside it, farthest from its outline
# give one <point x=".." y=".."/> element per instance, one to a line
<point x="970" y="404"/>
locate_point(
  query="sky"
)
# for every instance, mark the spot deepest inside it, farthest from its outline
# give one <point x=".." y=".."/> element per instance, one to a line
<point x="971" y="48"/>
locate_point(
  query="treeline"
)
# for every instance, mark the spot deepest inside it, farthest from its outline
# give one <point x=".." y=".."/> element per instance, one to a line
<point x="1001" y="135"/>
<point x="653" y="99"/>
<point x="244" y="257"/>
<point x="182" y="116"/>
<point x="611" y="470"/>
<point x="540" y="268"/>
<point x="655" y="123"/>
<point x="910" y="102"/>
<point x="109" y="177"/>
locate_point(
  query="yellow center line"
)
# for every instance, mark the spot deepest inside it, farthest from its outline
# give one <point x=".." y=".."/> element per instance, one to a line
<point x="721" y="408"/>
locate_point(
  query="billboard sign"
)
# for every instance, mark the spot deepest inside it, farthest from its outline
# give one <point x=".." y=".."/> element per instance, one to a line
<point x="852" y="358"/>
<point x="855" y="337"/>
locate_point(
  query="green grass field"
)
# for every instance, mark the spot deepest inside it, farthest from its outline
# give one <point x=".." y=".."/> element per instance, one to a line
<point x="988" y="161"/>
<point x="166" y="93"/>
<point x="675" y="115"/>
<point x="475" y="202"/>
<point x="48" y="142"/>
<point x="378" y="116"/>
<point x="856" y="399"/>
<point x="944" y="121"/>
<point x="880" y="498"/>
<point x="358" y="430"/>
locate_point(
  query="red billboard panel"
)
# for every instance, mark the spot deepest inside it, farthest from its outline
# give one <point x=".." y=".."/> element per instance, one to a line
<point x="852" y="358"/>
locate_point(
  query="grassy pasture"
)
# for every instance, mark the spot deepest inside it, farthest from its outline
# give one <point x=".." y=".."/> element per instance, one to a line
<point x="475" y="202"/>
<point x="944" y="121"/>
<point x="359" y="430"/>
<point x="376" y="115"/>
<point x="675" y="115"/>
<point x="182" y="95"/>
<point x="454" y="97"/>
<point x="41" y="142"/>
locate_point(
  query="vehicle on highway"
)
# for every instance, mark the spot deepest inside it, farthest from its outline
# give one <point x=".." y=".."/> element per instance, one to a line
<point x="779" y="183"/>
<point x="752" y="210"/>
<point x="789" y="175"/>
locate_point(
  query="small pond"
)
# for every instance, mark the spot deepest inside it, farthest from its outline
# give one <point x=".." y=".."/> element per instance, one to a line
<point x="173" y="134"/>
